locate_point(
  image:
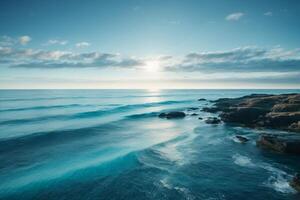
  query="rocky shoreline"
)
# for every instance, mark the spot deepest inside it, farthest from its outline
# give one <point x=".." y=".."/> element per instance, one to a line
<point x="260" y="110"/>
<point x="281" y="112"/>
<point x="266" y="111"/>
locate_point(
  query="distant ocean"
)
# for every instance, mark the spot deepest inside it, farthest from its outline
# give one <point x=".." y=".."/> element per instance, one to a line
<point x="110" y="144"/>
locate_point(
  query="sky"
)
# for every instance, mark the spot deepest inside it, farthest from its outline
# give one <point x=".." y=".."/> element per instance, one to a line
<point x="152" y="44"/>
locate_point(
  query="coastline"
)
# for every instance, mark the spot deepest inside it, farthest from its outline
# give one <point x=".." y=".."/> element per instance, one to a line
<point x="264" y="111"/>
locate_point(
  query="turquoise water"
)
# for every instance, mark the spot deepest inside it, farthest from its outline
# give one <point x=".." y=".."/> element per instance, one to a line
<point x="110" y="144"/>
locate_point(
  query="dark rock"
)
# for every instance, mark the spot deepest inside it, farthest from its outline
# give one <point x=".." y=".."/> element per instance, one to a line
<point x="213" y="120"/>
<point x="271" y="142"/>
<point x="210" y="109"/>
<point x="172" y="115"/>
<point x="162" y="115"/>
<point x="295" y="126"/>
<point x="201" y="99"/>
<point x="200" y="118"/>
<point x="285" y="107"/>
<point x="242" y="139"/>
<point x="295" y="183"/>
<point x="282" y="119"/>
<point x="244" y="115"/>
<point x="282" y="144"/>
<point x="193" y="108"/>
<point x="194" y="114"/>
<point x="260" y="110"/>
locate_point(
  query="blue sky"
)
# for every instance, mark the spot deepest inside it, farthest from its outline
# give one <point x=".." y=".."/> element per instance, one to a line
<point x="149" y="44"/>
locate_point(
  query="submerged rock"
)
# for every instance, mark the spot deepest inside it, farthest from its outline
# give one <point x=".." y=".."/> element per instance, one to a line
<point x="242" y="139"/>
<point x="282" y="144"/>
<point x="201" y="99"/>
<point x="172" y="115"/>
<point x="193" y="108"/>
<point x="194" y="114"/>
<point x="200" y="118"/>
<point x="213" y="120"/>
<point x="295" y="183"/>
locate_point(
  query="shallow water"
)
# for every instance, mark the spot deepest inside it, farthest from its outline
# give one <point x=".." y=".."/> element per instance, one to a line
<point x="110" y="144"/>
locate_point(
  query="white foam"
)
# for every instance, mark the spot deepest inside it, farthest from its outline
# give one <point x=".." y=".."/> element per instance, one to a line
<point x="185" y="192"/>
<point x="242" y="161"/>
<point x="279" y="181"/>
<point x="165" y="184"/>
<point x="280" y="184"/>
<point x="272" y="169"/>
<point x="235" y="139"/>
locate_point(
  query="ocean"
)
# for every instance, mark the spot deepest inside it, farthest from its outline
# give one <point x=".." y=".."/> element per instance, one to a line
<point x="110" y="144"/>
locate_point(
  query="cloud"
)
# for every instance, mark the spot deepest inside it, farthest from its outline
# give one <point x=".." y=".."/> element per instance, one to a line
<point x="82" y="44"/>
<point x="101" y="62"/>
<point x="238" y="60"/>
<point x="6" y="41"/>
<point x="56" y="42"/>
<point x="23" y="40"/>
<point x="30" y="58"/>
<point x="234" y="16"/>
<point x="269" y="14"/>
<point x="245" y="59"/>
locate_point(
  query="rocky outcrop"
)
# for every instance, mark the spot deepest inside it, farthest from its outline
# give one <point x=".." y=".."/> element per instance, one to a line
<point x="280" y="143"/>
<point x="260" y="110"/>
<point x="243" y="115"/>
<point x="192" y="108"/>
<point x="242" y="139"/>
<point x="295" y="126"/>
<point x="295" y="183"/>
<point x="210" y="109"/>
<point x="212" y="120"/>
<point x="172" y="115"/>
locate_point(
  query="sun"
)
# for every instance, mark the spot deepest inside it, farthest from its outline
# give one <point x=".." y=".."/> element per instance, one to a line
<point x="152" y="66"/>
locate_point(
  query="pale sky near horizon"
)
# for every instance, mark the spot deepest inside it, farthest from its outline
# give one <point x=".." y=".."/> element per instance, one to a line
<point x="149" y="44"/>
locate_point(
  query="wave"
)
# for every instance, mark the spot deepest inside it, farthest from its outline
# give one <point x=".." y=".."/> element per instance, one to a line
<point x="67" y="135"/>
<point x="51" y="107"/>
<point x="111" y="162"/>
<point x="279" y="179"/>
<point x="35" y="139"/>
<point x="89" y="114"/>
<point x="41" y="98"/>
<point x="85" y="97"/>
<point x="143" y="115"/>
<point x="183" y="190"/>
<point x="83" y="169"/>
